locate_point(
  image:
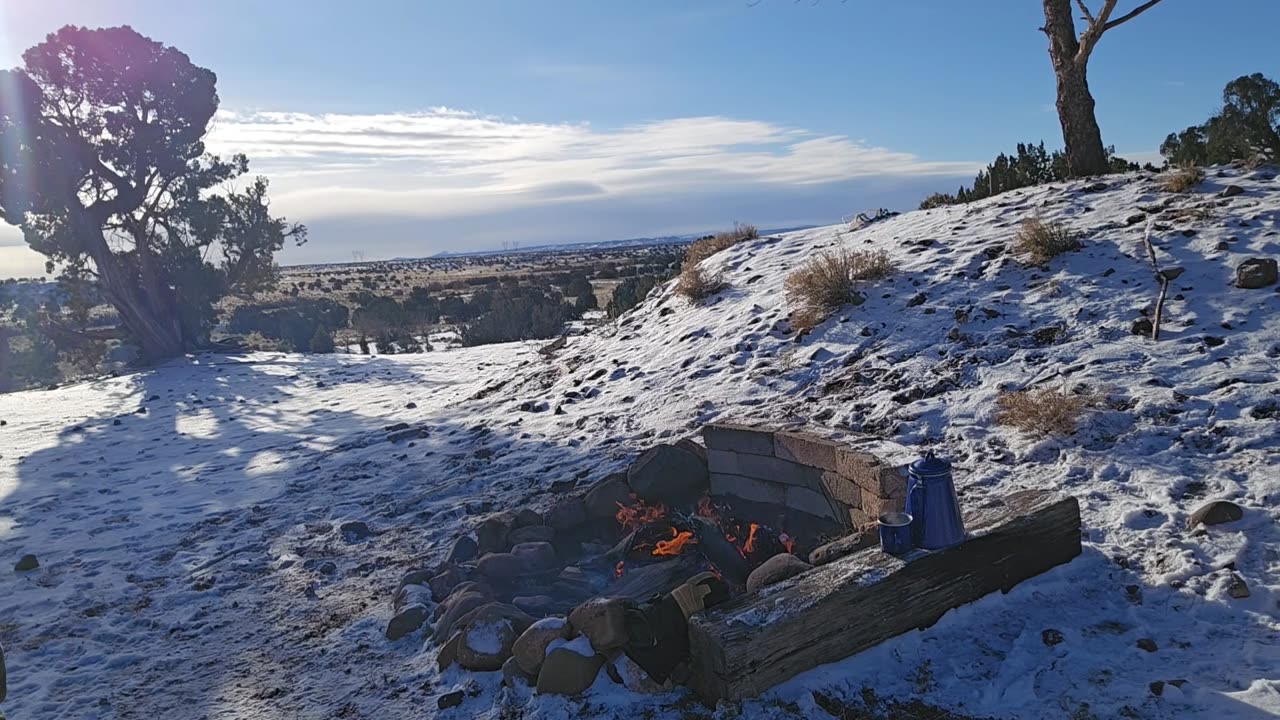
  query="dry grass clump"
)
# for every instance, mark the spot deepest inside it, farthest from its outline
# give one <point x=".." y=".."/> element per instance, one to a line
<point x="1041" y="412"/>
<point x="695" y="283"/>
<point x="829" y="280"/>
<point x="1040" y="241"/>
<point x="1182" y="179"/>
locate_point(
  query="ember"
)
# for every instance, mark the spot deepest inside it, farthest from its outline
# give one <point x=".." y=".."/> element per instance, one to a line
<point x="676" y="544"/>
<point x="632" y="517"/>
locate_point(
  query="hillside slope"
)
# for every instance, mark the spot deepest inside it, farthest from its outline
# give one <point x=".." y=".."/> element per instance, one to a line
<point x="186" y="569"/>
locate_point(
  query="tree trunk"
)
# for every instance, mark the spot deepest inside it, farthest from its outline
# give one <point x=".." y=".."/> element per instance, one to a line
<point x="153" y="324"/>
<point x="1080" y="132"/>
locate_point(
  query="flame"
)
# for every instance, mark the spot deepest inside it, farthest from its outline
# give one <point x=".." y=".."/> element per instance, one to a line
<point x="788" y="543"/>
<point x="676" y="544"/>
<point x="751" y="539"/>
<point x="617" y="569"/>
<point x="631" y="517"/>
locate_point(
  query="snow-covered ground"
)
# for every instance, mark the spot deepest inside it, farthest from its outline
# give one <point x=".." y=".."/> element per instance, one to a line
<point x="192" y="564"/>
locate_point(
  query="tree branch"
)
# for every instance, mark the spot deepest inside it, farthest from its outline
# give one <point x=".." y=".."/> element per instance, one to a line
<point x="1128" y="16"/>
<point x="1088" y="16"/>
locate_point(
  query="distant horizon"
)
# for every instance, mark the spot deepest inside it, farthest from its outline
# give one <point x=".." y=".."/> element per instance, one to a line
<point x="411" y="128"/>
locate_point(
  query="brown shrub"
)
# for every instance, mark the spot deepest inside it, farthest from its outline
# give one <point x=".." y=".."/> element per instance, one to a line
<point x="1040" y="241"/>
<point x="702" y="249"/>
<point x="696" y="284"/>
<point x="1182" y="179"/>
<point x="1041" y="412"/>
<point x="829" y="280"/>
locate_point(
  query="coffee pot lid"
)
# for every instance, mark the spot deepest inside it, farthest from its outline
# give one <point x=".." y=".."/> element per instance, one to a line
<point x="930" y="464"/>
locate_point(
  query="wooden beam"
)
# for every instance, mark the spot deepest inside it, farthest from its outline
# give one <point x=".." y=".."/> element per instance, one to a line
<point x="748" y="645"/>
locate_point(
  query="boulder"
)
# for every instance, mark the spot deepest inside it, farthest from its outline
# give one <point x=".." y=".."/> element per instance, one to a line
<point x="692" y="446"/>
<point x="536" y="557"/>
<point x="569" y="669"/>
<point x="1231" y="191"/>
<point x="530" y="649"/>
<point x="669" y="475"/>
<point x="417" y="577"/>
<point x="535" y="604"/>
<point x="501" y="567"/>
<point x="488" y="633"/>
<point x="444" y="583"/>
<point x="450" y="700"/>
<point x="603" y="621"/>
<point x="1215" y="512"/>
<point x="567" y="515"/>
<point x="411" y="595"/>
<point x="458" y="605"/>
<point x="406" y="621"/>
<point x="527" y="517"/>
<point x="1256" y="273"/>
<point x="532" y="533"/>
<point x="354" y="531"/>
<point x="603" y="499"/>
<point x="448" y="654"/>
<point x="464" y="549"/>
<point x="1237" y="587"/>
<point x="491" y="534"/>
<point x="776" y="569"/>
<point x="26" y="562"/>
<point x="513" y="676"/>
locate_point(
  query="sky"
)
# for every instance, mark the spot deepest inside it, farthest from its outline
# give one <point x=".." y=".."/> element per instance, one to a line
<point x="401" y="128"/>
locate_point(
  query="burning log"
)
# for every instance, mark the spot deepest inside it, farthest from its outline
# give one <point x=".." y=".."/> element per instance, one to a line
<point x="722" y="553"/>
<point x="746" y="646"/>
<point x="642" y="583"/>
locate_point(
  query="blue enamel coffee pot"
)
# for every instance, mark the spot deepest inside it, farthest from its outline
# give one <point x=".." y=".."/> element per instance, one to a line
<point x="933" y="505"/>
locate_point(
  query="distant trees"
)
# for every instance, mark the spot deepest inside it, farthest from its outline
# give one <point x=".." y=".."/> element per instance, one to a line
<point x="1085" y="153"/>
<point x="103" y="166"/>
<point x="521" y="313"/>
<point x="1246" y="128"/>
<point x="629" y="293"/>
<point x="1028" y="165"/>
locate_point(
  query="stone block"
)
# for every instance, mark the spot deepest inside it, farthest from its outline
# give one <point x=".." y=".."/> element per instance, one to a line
<point x="858" y="518"/>
<point x="870" y="473"/>
<point x="875" y="505"/>
<point x="746" y="488"/>
<point x="738" y="438"/>
<point x="806" y="450"/>
<point x="812" y="502"/>
<point x="764" y="468"/>
<point x="842" y="490"/>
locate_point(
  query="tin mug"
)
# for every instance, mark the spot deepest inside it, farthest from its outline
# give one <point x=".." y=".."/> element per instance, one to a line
<point x="895" y="533"/>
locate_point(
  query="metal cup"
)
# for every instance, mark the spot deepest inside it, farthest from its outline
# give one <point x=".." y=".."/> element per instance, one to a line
<point x="895" y="533"/>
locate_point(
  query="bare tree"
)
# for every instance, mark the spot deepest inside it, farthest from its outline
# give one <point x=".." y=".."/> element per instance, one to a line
<point x="1070" y="55"/>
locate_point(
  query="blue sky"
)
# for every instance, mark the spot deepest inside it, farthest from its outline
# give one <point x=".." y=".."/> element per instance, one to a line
<point x="403" y="128"/>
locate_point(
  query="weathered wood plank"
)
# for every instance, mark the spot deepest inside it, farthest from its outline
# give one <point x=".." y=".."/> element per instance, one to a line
<point x="744" y="647"/>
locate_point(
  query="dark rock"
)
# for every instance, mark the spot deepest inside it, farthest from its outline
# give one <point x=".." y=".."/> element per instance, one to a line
<point x="443" y="584"/>
<point x="532" y="533"/>
<point x="669" y="475"/>
<point x="775" y="570"/>
<point x="501" y="567"/>
<point x="526" y="517"/>
<point x="1135" y="218"/>
<point x="1094" y="187"/>
<point x="417" y="577"/>
<point x="1051" y="637"/>
<point x="917" y="299"/>
<point x="448" y="654"/>
<point x="354" y="531"/>
<point x="412" y="594"/>
<point x="603" y="621"/>
<point x="450" y="700"/>
<point x="464" y="549"/>
<point x="1157" y="688"/>
<point x="567" y="671"/>
<point x="1231" y="191"/>
<point x="26" y="562"/>
<point x="536" y="557"/>
<point x="530" y="649"/>
<point x="513" y="675"/>
<point x="1256" y="273"/>
<point x="693" y="447"/>
<point x="840" y="547"/>
<point x="1238" y="588"/>
<point x="411" y="405"/>
<point x="560" y="487"/>
<point x="456" y="606"/>
<point x="488" y="633"/>
<point x="1215" y="513"/>
<point x="603" y="499"/>
<point x="1142" y="326"/>
<point x="535" y="605"/>
<point x="491" y="534"/>
<point x="406" y="621"/>
<point x="1172" y="273"/>
<point x="567" y="515"/>
<point x="1148" y="645"/>
<point x="1212" y="341"/>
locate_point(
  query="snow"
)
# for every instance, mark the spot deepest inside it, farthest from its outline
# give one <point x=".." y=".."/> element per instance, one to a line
<point x="487" y="639"/>
<point x="580" y="645"/>
<point x="191" y="565"/>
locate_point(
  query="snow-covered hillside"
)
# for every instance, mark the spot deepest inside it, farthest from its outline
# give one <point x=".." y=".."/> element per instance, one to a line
<point x="191" y="565"/>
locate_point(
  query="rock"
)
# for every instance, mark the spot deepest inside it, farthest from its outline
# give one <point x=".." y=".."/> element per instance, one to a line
<point x="669" y="475"/>
<point x="450" y="700"/>
<point x="1231" y="191"/>
<point x="1094" y="187"/>
<point x="411" y="594"/>
<point x="406" y="621"/>
<point x="26" y="562"/>
<point x="535" y="604"/>
<point x="1256" y="273"/>
<point x="603" y="499"/>
<point x="527" y="517"/>
<point x="569" y="669"/>
<point x="560" y="487"/>
<point x="458" y="605"/>
<point x="693" y="447"/>
<point x="1142" y="327"/>
<point x="1135" y="218"/>
<point x="411" y="406"/>
<point x="840" y="547"/>
<point x="513" y="676"/>
<point x="462" y="587"/>
<point x="1238" y="588"/>
<point x="464" y="549"/>
<point x="1172" y="273"/>
<point x="354" y="531"/>
<point x="417" y="577"/>
<point x="443" y="584"/>
<point x="567" y="515"/>
<point x="488" y="633"/>
<point x="1215" y="513"/>
<point x="603" y="621"/>
<point x="530" y="649"/>
<point x="536" y="557"/>
<point x="491" y="534"/>
<point x="1157" y="688"/>
<point x="917" y="300"/>
<point x="532" y="533"/>
<point x="1051" y="637"/>
<point x="1147" y="644"/>
<point x="776" y="569"/>
<point x="448" y="654"/>
<point x="501" y="567"/>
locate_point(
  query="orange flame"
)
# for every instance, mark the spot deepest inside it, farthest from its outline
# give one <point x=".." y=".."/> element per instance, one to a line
<point x="676" y="544"/>
<point x="751" y="539"/>
<point x="617" y="569"/>
<point x="631" y="517"/>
